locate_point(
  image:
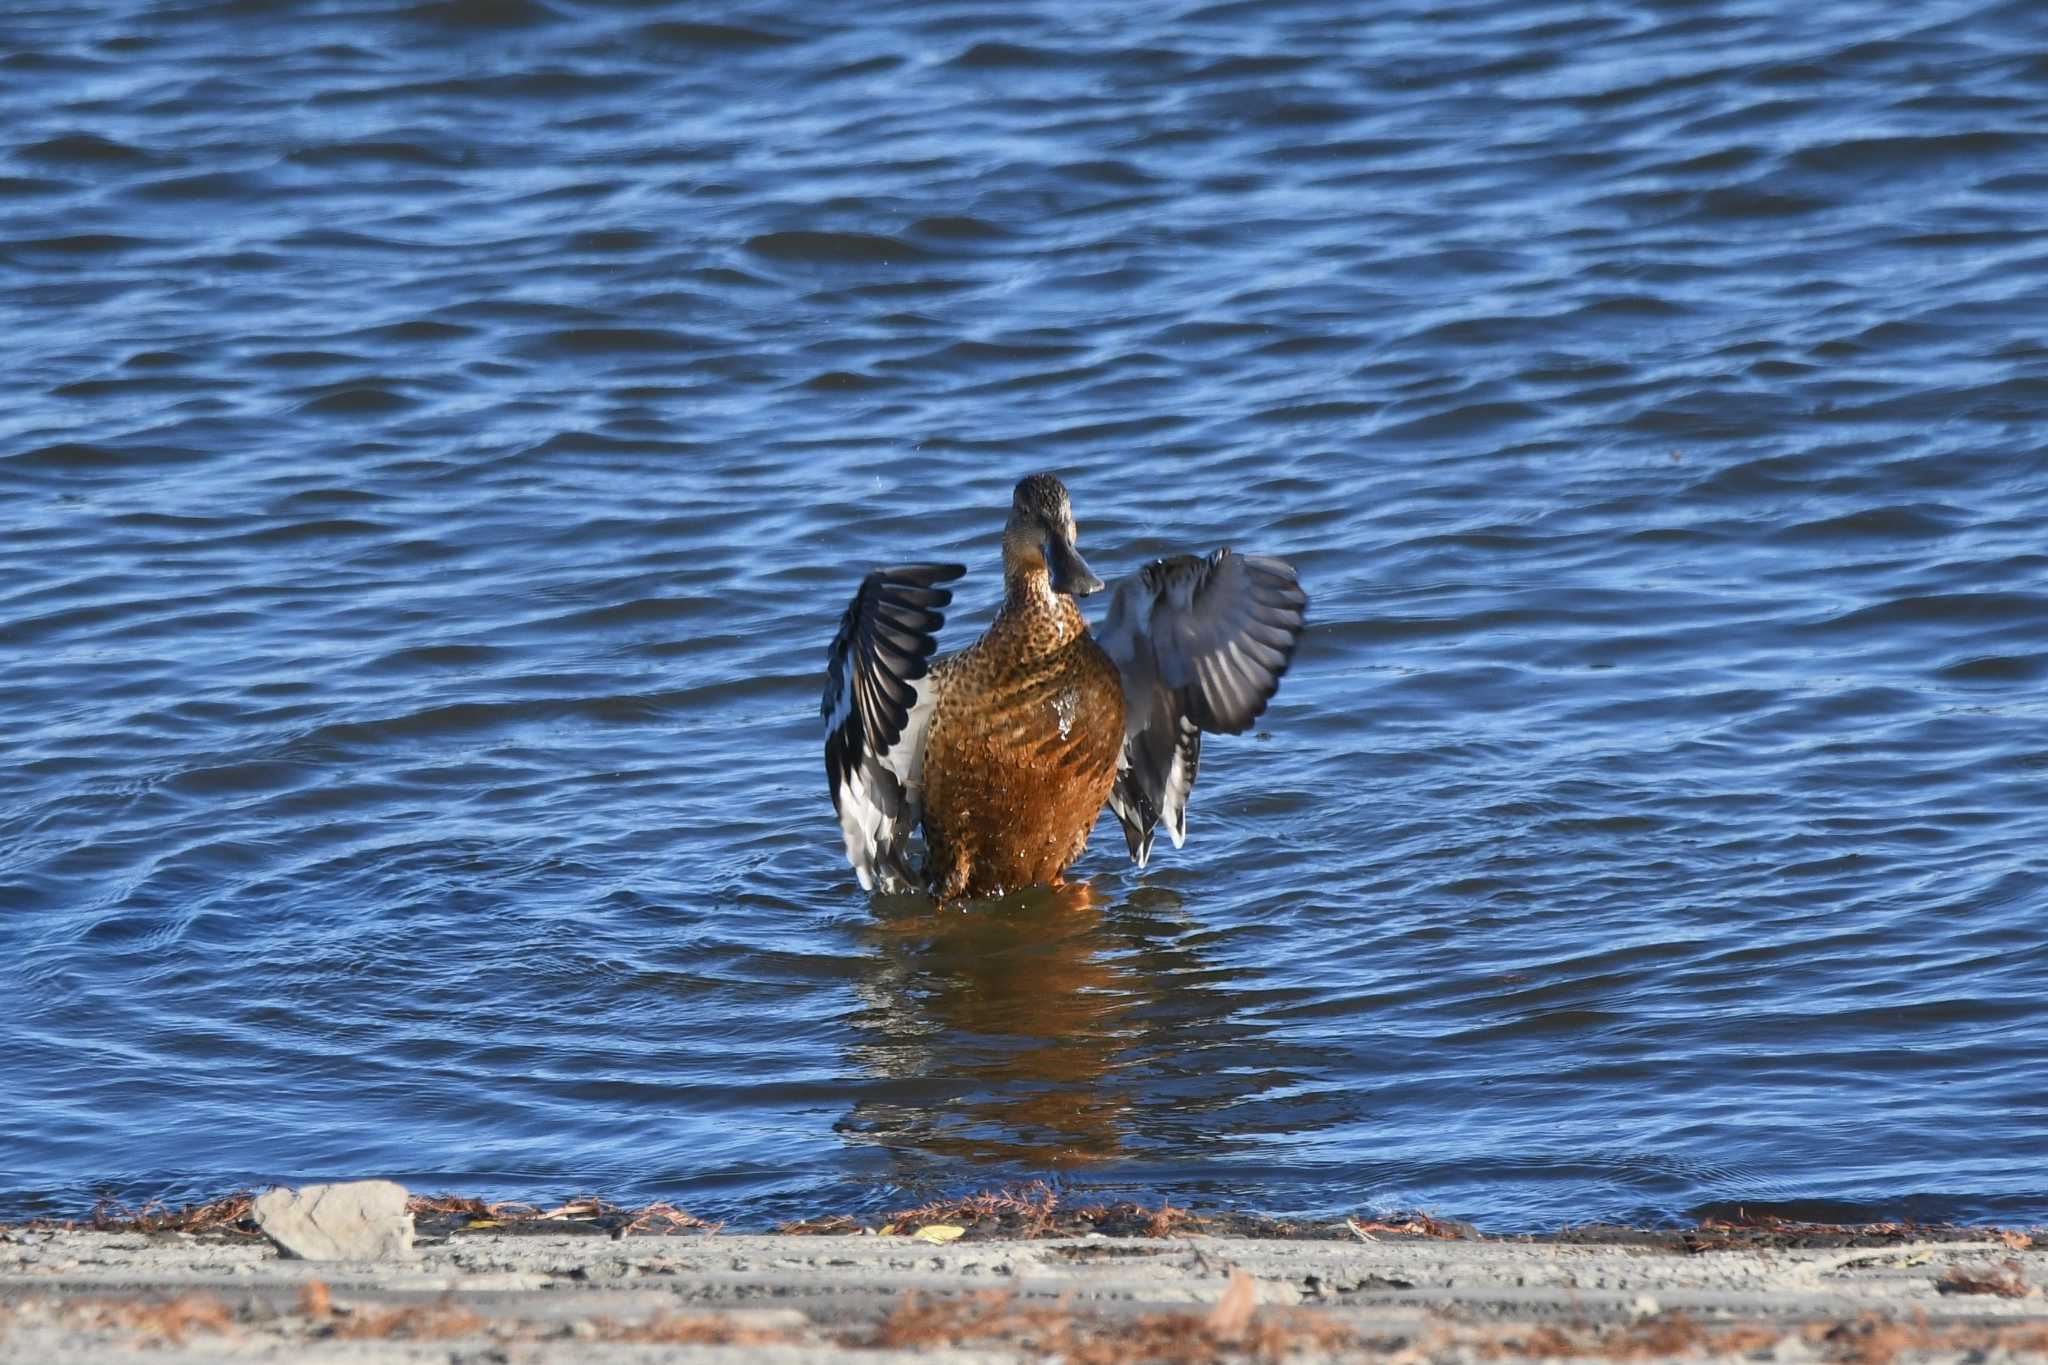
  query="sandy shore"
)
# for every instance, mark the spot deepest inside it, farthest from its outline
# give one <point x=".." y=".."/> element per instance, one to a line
<point x="519" y="1297"/>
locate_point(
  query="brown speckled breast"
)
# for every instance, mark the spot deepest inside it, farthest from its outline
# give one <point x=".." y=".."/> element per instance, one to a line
<point x="1022" y="752"/>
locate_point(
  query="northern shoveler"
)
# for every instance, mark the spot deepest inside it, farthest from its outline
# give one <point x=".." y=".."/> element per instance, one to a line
<point x="1007" y="751"/>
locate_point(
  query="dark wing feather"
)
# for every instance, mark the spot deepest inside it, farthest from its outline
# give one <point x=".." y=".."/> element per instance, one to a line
<point x="1201" y="645"/>
<point x="877" y="703"/>
<point x="1224" y="629"/>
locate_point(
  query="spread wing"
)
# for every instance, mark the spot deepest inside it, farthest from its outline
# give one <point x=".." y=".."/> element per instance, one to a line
<point x="1201" y="645"/>
<point x="878" y="703"/>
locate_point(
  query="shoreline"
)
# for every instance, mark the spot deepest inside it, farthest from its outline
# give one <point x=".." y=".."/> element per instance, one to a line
<point x="590" y="1282"/>
<point x="1038" y="1210"/>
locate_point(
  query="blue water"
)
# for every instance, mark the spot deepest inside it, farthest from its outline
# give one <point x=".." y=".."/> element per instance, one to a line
<point x="441" y="438"/>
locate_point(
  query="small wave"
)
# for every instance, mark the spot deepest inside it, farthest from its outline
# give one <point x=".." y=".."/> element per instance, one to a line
<point x="1901" y="522"/>
<point x="66" y="456"/>
<point x="615" y="340"/>
<point x="314" y="239"/>
<point x="1089" y="433"/>
<point x="359" y="400"/>
<point x="834" y="248"/>
<point x="546" y="85"/>
<point x="1349" y="149"/>
<point x="68" y="62"/>
<point x="1719" y="161"/>
<point x="1001" y="56"/>
<point x="211" y="185"/>
<point x="484" y="14"/>
<point x="426" y="658"/>
<point x="1326" y="411"/>
<point x="959" y="228"/>
<point x="418" y="329"/>
<point x="613" y="240"/>
<point x="639" y="612"/>
<point x="1888" y="154"/>
<point x="241" y="779"/>
<point x="375" y="152"/>
<point x="1301" y="113"/>
<point x="870" y="66"/>
<point x="1955" y="610"/>
<point x="1996" y="668"/>
<point x="713" y="37"/>
<point x="83" y="244"/>
<point x="29" y="186"/>
<point x="88" y="149"/>
<point x="1464" y="420"/>
<point x="134" y="384"/>
<point x="1255" y="68"/>
<point x="1629" y="306"/>
<point x="591" y="443"/>
<point x="846" y="381"/>
<point x="454" y="718"/>
<point x="1119" y="173"/>
<point x="1741" y="202"/>
<point x="308" y="360"/>
<point x="157" y="360"/>
<point x="320" y="528"/>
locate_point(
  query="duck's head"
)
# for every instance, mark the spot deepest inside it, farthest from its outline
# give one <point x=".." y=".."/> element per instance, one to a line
<point x="1041" y="532"/>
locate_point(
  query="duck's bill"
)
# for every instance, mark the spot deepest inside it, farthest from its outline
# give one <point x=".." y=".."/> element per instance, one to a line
<point x="1068" y="571"/>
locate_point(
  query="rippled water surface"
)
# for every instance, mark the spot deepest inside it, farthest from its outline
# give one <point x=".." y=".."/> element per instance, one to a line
<point x="441" y="437"/>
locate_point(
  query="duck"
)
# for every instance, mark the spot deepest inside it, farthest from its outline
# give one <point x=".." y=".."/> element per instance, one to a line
<point x="1004" y="753"/>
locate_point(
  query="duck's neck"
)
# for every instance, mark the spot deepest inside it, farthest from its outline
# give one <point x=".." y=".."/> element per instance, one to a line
<point x="1029" y="601"/>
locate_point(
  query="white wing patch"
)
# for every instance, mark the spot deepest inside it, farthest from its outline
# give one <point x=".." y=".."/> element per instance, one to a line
<point x="877" y="709"/>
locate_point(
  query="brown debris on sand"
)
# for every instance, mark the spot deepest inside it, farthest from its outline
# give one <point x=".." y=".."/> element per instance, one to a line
<point x="435" y="1215"/>
<point x="2009" y="1285"/>
<point x="1025" y="1211"/>
<point x="1398" y="1294"/>
<point x="413" y="1322"/>
<point x="451" y="1213"/>
<point x="1021" y="1212"/>
<point x="1410" y="1225"/>
<point x="1765" y="1232"/>
<point x="831" y="1225"/>
<point x="1668" y="1334"/>
<point x="694" y="1329"/>
<point x="229" y="1213"/>
<point x="154" y="1322"/>
<point x="1233" y="1329"/>
<point x="1034" y="1212"/>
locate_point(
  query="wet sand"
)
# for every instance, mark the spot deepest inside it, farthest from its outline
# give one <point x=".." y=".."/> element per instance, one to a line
<point x="505" y="1295"/>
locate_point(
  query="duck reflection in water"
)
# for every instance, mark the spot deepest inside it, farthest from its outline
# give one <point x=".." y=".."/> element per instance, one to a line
<point x="1000" y="1034"/>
